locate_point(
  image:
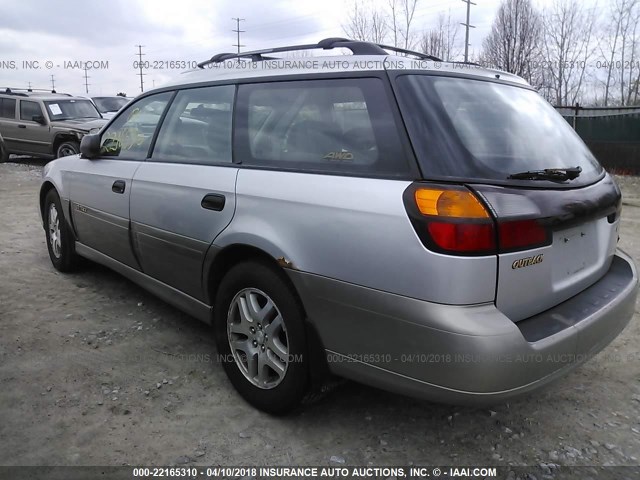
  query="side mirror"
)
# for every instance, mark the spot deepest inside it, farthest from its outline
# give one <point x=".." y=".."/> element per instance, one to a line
<point x="39" y="119"/>
<point x="90" y="146"/>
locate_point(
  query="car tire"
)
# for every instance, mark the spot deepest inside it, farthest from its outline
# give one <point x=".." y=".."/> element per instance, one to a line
<point x="59" y="239"/>
<point x="268" y="364"/>
<point x="67" y="148"/>
<point x="4" y="153"/>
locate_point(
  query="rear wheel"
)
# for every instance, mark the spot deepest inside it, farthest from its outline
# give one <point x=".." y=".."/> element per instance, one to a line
<point x="67" y="148"/>
<point x="59" y="239"/>
<point x="259" y="326"/>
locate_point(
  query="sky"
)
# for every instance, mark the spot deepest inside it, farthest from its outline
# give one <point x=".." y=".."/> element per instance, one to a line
<point x="40" y="38"/>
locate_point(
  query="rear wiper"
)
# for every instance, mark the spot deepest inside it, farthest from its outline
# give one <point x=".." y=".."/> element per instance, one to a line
<point x="553" y="174"/>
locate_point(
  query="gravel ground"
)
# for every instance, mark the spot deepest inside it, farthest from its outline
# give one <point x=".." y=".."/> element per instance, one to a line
<point x="95" y="371"/>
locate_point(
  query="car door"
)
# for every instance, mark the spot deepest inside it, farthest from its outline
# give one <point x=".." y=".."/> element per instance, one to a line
<point x="8" y="123"/>
<point x="30" y="136"/>
<point x="184" y="195"/>
<point x="100" y="188"/>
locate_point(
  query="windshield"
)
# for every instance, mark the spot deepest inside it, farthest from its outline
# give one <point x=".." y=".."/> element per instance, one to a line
<point x="110" y="104"/>
<point x="473" y="129"/>
<point x="71" y="109"/>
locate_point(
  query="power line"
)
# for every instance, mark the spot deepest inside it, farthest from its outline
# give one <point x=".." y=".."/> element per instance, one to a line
<point x="140" y="55"/>
<point x="86" y="79"/>
<point x="467" y="26"/>
<point x="238" y="31"/>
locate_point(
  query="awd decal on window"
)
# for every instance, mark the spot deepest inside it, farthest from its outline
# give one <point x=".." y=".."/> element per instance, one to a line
<point x="338" y="156"/>
<point x="527" y="262"/>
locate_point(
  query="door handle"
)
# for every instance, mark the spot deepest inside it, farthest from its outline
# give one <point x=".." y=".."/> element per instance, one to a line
<point x="213" y="201"/>
<point x="22" y="126"/>
<point x="118" y="186"/>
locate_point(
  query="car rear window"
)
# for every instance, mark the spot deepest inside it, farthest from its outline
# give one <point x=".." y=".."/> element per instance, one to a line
<point x="337" y="125"/>
<point x="474" y="129"/>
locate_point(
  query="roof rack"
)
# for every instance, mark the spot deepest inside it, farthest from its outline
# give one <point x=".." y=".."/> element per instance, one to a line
<point x="357" y="47"/>
<point x="20" y="91"/>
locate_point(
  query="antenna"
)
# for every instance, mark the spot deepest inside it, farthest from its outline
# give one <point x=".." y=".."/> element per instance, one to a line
<point x="140" y="54"/>
<point x="468" y="26"/>
<point x="238" y="31"/>
<point x="53" y="83"/>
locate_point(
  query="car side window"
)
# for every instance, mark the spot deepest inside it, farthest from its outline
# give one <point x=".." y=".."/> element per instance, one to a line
<point x="129" y="136"/>
<point x="28" y="110"/>
<point x="7" y="108"/>
<point x="197" y="128"/>
<point x="337" y="125"/>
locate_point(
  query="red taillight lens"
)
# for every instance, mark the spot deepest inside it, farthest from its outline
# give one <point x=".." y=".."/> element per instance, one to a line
<point x="454" y="220"/>
<point x="463" y="237"/>
<point x="521" y="234"/>
<point x="451" y="219"/>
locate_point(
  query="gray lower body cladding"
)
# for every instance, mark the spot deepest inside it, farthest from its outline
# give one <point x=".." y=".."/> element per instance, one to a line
<point x="462" y="354"/>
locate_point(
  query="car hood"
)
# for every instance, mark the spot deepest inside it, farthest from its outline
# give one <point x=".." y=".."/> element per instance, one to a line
<point x="80" y="124"/>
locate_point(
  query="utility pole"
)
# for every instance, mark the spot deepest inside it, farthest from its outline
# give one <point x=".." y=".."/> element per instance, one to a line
<point x="53" y="84"/>
<point x="86" y="79"/>
<point x="468" y="26"/>
<point x="140" y="54"/>
<point x="238" y="31"/>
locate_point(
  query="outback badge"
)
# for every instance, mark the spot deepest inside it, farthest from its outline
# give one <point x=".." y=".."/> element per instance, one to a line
<point x="527" y="262"/>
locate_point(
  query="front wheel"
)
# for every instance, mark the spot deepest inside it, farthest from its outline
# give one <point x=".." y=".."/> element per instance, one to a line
<point x="68" y="148"/>
<point x="59" y="239"/>
<point x="260" y="334"/>
<point x="4" y="153"/>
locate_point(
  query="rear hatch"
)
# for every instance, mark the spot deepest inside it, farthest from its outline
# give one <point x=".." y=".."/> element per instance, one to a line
<point x="555" y="211"/>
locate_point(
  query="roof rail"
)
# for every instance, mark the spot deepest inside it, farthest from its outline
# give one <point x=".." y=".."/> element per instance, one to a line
<point x="19" y="91"/>
<point x="357" y="47"/>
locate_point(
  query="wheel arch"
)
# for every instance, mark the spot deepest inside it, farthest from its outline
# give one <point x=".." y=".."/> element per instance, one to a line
<point x="45" y="188"/>
<point x="223" y="259"/>
<point x="61" y="138"/>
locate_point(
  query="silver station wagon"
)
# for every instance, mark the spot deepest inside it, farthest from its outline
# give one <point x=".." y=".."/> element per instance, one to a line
<point x="435" y="229"/>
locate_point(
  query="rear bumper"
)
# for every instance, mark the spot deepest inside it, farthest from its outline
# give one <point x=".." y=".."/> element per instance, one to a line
<point x="463" y="354"/>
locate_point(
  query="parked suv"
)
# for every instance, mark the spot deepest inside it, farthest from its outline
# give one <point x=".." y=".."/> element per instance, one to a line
<point x="431" y="228"/>
<point x="44" y="124"/>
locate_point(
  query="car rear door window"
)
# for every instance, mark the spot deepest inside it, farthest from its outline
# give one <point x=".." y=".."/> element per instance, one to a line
<point x="7" y="108"/>
<point x="129" y="136"/>
<point x="338" y="126"/>
<point x="197" y="128"/>
<point x="28" y="110"/>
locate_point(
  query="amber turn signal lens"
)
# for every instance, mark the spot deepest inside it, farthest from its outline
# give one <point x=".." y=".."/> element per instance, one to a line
<point x="449" y="203"/>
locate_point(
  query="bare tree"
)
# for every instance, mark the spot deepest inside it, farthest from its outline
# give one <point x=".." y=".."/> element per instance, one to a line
<point x="628" y="51"/>
<point x="400" y="20"/>
<point x="513" y="43"/>
<point x="620" y="48"/>
<point x="408" y="12"/>
<point x="394" y="24"/>
<point x="568" y="47"/>
<point x="366" y="23"/>
<point x="442" y="40"/>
